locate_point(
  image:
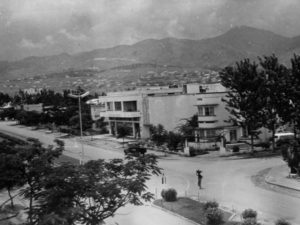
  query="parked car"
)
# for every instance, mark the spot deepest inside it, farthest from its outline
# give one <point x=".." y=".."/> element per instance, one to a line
<point x="135" y="150"/>
<point x="283" y="136"/>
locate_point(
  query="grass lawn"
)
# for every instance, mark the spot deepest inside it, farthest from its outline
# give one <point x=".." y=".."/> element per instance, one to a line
<point x="191" y="210"/>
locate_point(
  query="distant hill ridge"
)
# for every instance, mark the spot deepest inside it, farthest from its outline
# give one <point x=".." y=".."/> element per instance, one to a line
<point x="236" y="44"/>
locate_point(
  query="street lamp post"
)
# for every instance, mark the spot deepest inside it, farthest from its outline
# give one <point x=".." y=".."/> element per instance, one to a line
<point x="79" y="96"/>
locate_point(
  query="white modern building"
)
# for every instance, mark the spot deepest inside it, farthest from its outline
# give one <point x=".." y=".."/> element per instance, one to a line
<point x="140" y="108"/>
<point x="168" y="106"/>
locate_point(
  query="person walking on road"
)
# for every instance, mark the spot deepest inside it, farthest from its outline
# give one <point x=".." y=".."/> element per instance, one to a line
<point x="198" y="173"/>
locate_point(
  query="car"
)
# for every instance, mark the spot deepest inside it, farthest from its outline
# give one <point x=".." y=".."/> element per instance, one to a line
<point x="135" y="151"/>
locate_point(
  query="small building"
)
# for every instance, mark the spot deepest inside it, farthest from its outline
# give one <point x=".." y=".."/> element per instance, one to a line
<point x="32" y="107"/>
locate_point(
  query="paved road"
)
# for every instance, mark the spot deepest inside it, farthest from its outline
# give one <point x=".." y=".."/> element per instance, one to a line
<point x="227" y="180"/>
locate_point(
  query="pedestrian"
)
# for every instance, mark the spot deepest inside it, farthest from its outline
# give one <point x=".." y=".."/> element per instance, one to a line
<point x="198" y="173"/>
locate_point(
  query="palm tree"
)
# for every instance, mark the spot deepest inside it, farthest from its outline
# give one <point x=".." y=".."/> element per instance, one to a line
<point x="123" y="131"/>
<point x="188" y="128"/>
<point x="158" y="134"/>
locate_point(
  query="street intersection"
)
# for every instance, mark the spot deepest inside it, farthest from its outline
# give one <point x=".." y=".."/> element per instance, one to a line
<point x="226" y="180"/>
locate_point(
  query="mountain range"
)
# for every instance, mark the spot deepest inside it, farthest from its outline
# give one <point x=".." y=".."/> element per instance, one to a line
<point x="211" y="53"/>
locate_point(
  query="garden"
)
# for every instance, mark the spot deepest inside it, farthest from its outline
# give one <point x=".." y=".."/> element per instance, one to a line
<point x="208" y="213"/>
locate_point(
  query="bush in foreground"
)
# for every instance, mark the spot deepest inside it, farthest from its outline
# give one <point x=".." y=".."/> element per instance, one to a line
<point x="235" y="149"/>
<point x="250" y="221"/>
<point x="214" y="215"/>
<point x="169" y="195"/>
<point x="210" y="204"/>
<point x="249" y="213"/>
<point x="282" y="222"/>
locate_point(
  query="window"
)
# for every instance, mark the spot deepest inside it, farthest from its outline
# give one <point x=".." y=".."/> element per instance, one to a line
<point x="206" y="111"/>
<point x="202" y="89"/>
<point x="244" y="131"/>
<point x="130" y="106"/>
<point x="109" y="106"/>
<point x="201" y="133"/>
<point x="118" y="106"/>
<point x="233" y="135"/>
<point x="209" y="111"/>
<point x="210" y="133"/>
<point x="200" y="111"/>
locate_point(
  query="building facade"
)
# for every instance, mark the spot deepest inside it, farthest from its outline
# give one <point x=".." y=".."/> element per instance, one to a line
<point x="138" y="109"/>
<point x="169" y="106"/>
<point x="212" y="115"/>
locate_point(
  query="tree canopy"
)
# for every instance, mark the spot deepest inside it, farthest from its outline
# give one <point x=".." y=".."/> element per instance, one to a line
<point x="92" y="192"/>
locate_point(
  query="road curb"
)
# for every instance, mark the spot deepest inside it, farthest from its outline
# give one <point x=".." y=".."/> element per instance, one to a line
<point x="232" y="216"/>
<point x="279" y="185"/>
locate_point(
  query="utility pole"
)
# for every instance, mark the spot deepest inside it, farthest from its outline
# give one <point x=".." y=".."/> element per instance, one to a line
<point x="79" y="96"/>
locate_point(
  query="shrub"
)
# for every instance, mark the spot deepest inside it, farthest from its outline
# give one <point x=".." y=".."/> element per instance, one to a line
<point x="250" y="221"/>
<point x="195" y="151"/>
<point x="281" y="142"/>
<point x="103" y="130"/>
<point x="265" y="145"/>
<point x="235" y="149"/>
<point x="249" y="213"/>
<point x="214" y="215"/>
<point x="170" y="195"/>
<point x="282" y="222"/>
<point x="210" y="204"/>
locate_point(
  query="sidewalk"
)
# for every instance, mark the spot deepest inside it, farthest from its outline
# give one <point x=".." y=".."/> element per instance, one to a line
<point x="279" y="176"/>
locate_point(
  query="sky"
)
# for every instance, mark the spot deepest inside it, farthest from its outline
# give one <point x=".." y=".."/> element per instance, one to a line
<point x="43" y="27"/>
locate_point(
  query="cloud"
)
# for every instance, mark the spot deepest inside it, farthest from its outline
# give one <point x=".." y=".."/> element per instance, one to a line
<point x="29" y="44"/>
<point x="50" y="39"/>
<point x="51" y="27"/>
<point x="80" y="37"/>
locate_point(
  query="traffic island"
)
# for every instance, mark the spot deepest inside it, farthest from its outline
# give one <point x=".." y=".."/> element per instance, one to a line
<point x="191" y="210"/>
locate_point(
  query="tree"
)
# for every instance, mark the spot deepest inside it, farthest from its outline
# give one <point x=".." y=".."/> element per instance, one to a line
<point x="291" y="113"/>
<point x="11" y="175"/>
<point x="86" y="121"/>
<point x="158" y="134"/>
<point x="290" y="150"/>
<point x="2" y="210"/>
<point x="188" y="128"/>
<point x="10" y="113"/>
<point x="122" y="132"/>
<point x="244" y="101"/>
<point x="274" y="89"/>
<point x="174" y="139"/>
<point x="37" y="165"/>
<point x="90" y="193"/>
<point x="100" y="123"/>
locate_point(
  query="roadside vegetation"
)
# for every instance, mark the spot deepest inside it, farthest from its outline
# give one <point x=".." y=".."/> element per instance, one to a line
<point x="59" y="112"/>
<point x="69" y="194"/>
<point x="263" y="95"/>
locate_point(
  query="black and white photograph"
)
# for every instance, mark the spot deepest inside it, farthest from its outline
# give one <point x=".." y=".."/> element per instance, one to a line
<point x="152" y="112"/>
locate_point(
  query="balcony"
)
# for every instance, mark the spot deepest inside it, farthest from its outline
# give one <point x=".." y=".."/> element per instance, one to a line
<point x="207" y="118"/>
<point x="208" y="125"/>
<point x="124" y="114"/>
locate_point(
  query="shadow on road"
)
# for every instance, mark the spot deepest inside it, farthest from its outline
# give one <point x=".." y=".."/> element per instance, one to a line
<point x="255" y="155"/>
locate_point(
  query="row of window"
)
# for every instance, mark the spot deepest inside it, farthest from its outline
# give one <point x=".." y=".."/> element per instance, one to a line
<point x="124" y="119"/>
<point x="206" y="110"/>
<point x="128" y="106"/>
<point x="214" y="133"/>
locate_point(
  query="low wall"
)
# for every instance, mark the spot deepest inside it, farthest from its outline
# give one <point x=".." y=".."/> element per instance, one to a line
<point x="204" y="145"/>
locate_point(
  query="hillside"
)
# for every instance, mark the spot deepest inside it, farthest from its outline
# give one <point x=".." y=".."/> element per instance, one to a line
<point x="213" y="53"/>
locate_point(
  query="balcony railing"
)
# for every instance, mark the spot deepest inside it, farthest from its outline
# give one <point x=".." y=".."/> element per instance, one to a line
<point x="121" y="114"/>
